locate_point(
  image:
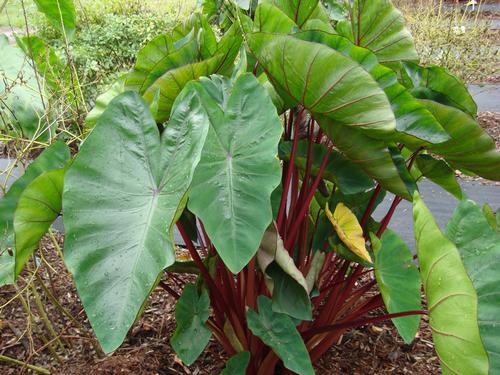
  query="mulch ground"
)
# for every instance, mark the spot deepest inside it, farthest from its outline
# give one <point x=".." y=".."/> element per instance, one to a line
<point x="146" y="350"/>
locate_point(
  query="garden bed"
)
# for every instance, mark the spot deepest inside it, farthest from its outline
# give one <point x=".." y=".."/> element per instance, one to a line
<point x="374" y="349"/>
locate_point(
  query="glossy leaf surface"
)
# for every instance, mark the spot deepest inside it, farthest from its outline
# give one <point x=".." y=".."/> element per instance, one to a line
<point x="118" y="214"/>
<point x="191" y="333"/>
<point x="271" y="19"/>
<point x="414" y="123"/>
<point x="380" y="27"/>
<point x="436" y="83"/>
<point x="38" y="206"/>
<point x="470" y="147"/>
<point x="398" y="280"/>
<point x="238" y="170"/>
<point x="279" y="332"/>
<point x="479" y="247"/>
<point x="451" y="298"/>
<point x="324" y="81"/>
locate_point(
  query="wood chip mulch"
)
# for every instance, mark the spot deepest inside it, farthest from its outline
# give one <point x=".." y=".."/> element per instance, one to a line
<point x="146" y="350"/>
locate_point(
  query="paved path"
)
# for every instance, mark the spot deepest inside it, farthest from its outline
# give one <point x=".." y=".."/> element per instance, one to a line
<point x="484" y="7"/>
<point x="487" y="97"/>
<point x="441" y="203"/>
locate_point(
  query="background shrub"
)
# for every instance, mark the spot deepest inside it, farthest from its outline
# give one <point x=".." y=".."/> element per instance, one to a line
<point x="461" y="42"/>
<point x="110" y="33"/>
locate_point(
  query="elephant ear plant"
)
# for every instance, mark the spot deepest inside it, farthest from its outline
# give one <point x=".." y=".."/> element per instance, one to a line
<point x="269" y="150"/>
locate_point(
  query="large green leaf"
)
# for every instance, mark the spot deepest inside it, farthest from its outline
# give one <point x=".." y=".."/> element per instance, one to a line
<point x="380" y="27"/>
<point x="237" y="364"/>
<point x="451" y="298"/>
<point x="479" y="246"/>
<point x="157" y="57"/>
<point x="369" y="154"/>
<point x="60" y="13"/>
<point x="413" y="120"/>
<point x="271" y="19"/>
<point x="288" y="287"/>
<point x="20" y="94"/>
<point x="238" y="170"/>
<point x="38" y="206"/>
<point x="191" y="333"/>
<point x="439" y="172"/>
<point x="278" y="331"/>
<point x="399" y="281"/>
<point x="470" y="147"/>
<point x="436" y="83"/>
<point x="54" y="157"/>
<point x="120" y="197"/>
<point x="325" y="82"/>
<point x="348" y="176"/>
<point x="299" y="11"/>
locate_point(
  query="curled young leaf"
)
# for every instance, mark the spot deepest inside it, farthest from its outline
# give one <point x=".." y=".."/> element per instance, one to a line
<point x="289" y="287"/>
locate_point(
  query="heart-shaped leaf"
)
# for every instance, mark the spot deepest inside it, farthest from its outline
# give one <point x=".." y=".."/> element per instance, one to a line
<point x="238" y="170"/>
<point x="18" y="85"/>
<point x="118" y="214"/>
<point x="271" y="19"/>
<point x="299" y="11"/>
<point x="414" y="123"/>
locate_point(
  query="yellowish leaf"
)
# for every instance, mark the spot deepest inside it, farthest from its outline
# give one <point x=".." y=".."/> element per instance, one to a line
<point x="349" y="230"/>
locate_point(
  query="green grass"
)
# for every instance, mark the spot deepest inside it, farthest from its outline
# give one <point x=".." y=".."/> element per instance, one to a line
<point x="12" y="14"/>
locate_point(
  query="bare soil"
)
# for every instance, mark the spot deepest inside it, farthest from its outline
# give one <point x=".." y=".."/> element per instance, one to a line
<point x="146" y="350"/>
